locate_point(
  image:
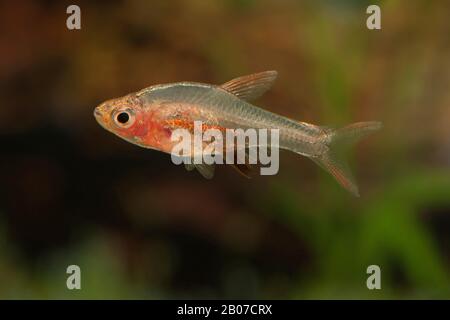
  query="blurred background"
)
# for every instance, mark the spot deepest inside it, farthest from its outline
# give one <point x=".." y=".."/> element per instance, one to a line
<point x="140" y="227"/>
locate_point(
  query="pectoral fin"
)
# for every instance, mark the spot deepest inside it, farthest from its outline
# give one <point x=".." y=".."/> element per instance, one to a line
<point x="252" y="86"/>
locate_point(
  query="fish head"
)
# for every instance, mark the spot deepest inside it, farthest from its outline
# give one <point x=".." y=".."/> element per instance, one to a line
<point x="124" y="117"/>
<point x="132" y="120"/>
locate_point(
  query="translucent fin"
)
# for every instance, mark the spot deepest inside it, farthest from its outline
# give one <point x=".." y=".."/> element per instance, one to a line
<point x="252" y="86"/>
<point x="244" y="169"/>
<point x="339" y="170"/>
<point x="206" y="170"/>
<point x="354" y="132"/>
<point x="189" y="166"/>
<point x="333" y="161"/>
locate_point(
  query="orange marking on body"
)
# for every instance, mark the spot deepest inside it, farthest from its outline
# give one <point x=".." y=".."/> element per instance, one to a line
<point x="180" y="123"/>
<point x="207" y="126"/>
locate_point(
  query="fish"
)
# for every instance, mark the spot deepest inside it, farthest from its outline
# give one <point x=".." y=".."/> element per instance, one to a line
<point x="148" y="117"/>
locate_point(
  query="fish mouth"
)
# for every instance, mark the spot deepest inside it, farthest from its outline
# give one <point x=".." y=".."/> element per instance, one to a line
<point x="98" y="115"/>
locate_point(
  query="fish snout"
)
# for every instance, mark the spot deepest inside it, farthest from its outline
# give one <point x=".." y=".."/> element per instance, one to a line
<point x="97" y="113"/>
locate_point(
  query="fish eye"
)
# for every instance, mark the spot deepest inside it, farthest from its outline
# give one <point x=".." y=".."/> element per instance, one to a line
<point x="124" y="118"/>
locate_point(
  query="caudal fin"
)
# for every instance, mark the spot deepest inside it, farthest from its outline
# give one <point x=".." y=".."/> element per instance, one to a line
<point x="337" y="140"/>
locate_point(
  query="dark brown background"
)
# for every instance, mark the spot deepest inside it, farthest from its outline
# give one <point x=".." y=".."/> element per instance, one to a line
<point x="141" y="227"/>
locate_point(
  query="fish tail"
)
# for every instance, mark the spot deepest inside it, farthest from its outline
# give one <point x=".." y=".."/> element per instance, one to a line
<point x="337" y="141"/>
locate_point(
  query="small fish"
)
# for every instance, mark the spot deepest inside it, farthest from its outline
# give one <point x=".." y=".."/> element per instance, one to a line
<point x="148" y="117"/>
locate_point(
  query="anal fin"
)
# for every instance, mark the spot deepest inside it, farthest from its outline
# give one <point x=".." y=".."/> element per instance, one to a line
<point x="206" y="170"/>
<point x="244" y="169"/>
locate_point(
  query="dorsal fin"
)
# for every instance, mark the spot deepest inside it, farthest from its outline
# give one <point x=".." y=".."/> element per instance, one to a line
<point x="252" y="86"/>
